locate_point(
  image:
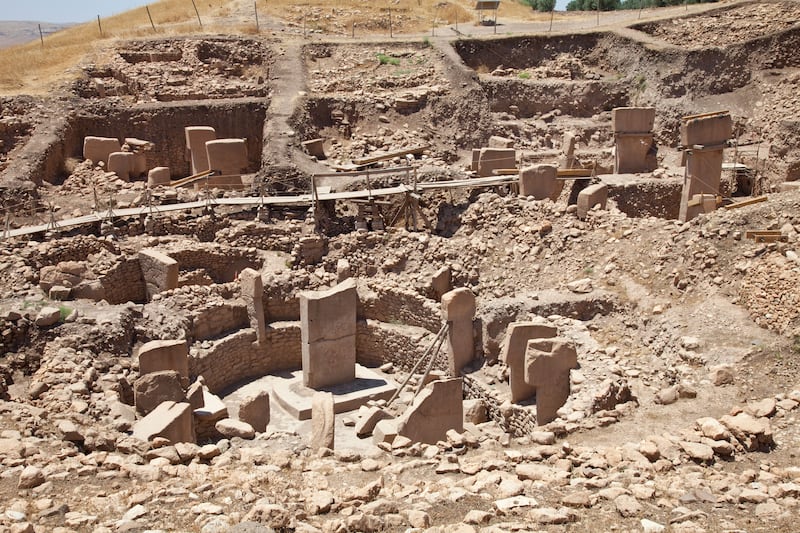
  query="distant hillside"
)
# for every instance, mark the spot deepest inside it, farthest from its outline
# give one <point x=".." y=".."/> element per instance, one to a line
<point x="15" y="32"/>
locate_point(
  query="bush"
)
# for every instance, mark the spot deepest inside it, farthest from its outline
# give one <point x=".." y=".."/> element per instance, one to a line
<point x="388" y="60"/>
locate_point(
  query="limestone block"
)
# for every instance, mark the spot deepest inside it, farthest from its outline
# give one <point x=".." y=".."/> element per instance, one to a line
<point x="385" y="431"/>
<point x="159" y="355"/>
<point x="590" y="197"/>
<point x="121" y="164"/>
<point x="328" y="335"/>
<point x="194" y="395"/>
<point x="441" y="281"/>
<point x="228" y="427"/>
<point x="458" y="308"/>
<point x="634" y="153"/>
<point x="568" y="142"/>
<point x="512" y="353"/>
<point x="435" y="410"/>
<point x="254" y="410"/>
<point x="366" y="425"/>
<point x="633" y="119"/>
<point x="252" y="288"/>
<point x="787" y="186"/>
<point x="476" y="156"/>
<point x="703" y="175"/>
<point x="314" y="148"/>
<point x="707" y="131"/>
<point x="491" y="159"/>
<point x="138" y="164"/>
<point x="495" y="141"/>
<point x="159" y="271"/>
<point x="547" y="366"/>
<point x="227" y="156"/>
<point x="322" y="421"/>
<point x="159" y="176"/>
<point x="97" y="149"/>
<point x="151" y="389"/>
<point x="474" y="411"/>
<point x="196" y="139"/>
<point x="539" y="181"/>
<point x="170" y="420"/>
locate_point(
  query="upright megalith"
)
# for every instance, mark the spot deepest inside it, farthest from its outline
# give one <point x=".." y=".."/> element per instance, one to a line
<point x="540" y="181"/>
<point x="196" y="139"/>
<point x="159" y="271"/>
<point x="435" y="411"/>
<point x="458" y="310"/>
<point x="323" y="419"/>
<point x="158" y="355"/>
<point x="158" y="176"/>
<point x="491" y="159"/>
<point x="512" y="354"/>
<point x="591" y="196"/>
<point x="121" y="164"/>
<point x="703" y="138"/>
<point x="547" y="367"/>
<point x="328" y="335"/>
<point x="635" y="147"/>
<point x="227" y="156"/>
<point x="252" y="288"/>
<point x="97" y="149"/>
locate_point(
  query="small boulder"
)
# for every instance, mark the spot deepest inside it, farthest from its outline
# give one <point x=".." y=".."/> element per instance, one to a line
<point x="31" y="477"/>
<point x="230" y="428"/>
<point x="48" y="316"/>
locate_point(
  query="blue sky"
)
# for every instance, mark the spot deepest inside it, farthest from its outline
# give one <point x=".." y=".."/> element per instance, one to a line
<point x="64" y="11"/>
<point x="82" y="10"/>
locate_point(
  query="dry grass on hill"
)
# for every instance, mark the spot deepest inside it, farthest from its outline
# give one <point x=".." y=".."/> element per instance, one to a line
<point x="35" y="69"/>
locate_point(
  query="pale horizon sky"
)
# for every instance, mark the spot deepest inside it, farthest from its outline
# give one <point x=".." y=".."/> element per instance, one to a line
<point x="61" y="11"/>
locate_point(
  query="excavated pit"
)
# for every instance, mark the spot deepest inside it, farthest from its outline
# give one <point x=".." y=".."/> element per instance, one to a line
<point x="162" y="124"/>
<point x="532" y="75"/>
<point x="729" y="25"/>
<point x="190" y="69"/>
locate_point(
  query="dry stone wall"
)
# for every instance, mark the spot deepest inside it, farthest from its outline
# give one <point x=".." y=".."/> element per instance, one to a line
<point x="222" y="264"/>
<point x="77" y="248"/>
<point x="378" y="343"/>
<point x="212" y="321"/>
<point x="261" y="236"/>
<point x="228" y="360"/>
<point x="396" y="305"/>
<point x="122" y="281"/>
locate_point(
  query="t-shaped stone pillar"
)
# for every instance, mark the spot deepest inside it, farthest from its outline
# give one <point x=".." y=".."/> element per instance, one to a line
<point x="547" y="366"/>
<point x="253" y="294"/>
<point x="513" y="354"/>
<point x="328" y="335"/>
<point x="196" y="139"/>
<point x="458" y="308"/>
<point x="704" y="138"/>
<point x="633" y="137"/>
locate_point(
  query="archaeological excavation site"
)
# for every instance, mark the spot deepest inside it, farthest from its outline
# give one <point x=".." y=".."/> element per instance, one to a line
<point x="320" y="275"/>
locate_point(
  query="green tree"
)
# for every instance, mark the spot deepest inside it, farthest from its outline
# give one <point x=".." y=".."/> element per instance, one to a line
<point x="545" y="6"/>
<point x="591" y="5"/>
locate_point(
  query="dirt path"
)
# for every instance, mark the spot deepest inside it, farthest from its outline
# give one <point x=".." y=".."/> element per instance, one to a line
<point x="287" y="78"/>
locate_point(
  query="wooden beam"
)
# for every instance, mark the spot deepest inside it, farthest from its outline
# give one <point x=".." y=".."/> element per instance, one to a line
<point x="375" y="172"/>
<point x="751" y="201"/>
<point x="765" y="235"/>
<point x="390" y="155"/>
<point x="505" y="171"/>
<point x="706" y="115"/>
<point x="575" y="172"/>
<point x="190" y="179"/>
